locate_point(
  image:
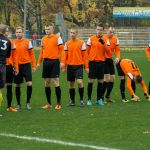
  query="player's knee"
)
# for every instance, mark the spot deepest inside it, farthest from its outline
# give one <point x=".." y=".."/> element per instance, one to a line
<point x="112" y="78"/>
<point x="29" y="83"/>
<point x="107" y="77"/>
<point x="56" y="82"/>
<point x="91" y="81"/>
<point x="80" y="83"/>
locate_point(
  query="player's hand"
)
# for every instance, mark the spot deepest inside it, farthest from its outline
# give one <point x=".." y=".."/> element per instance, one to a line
<point x="87" y="70"/>
<point x="33" y="69"/>
<point x="38" y="66"/>
<point x="101" y="41"/>
<point x="117" y="60"/>
<point x="135" y="98"/>
<point x="16" y="72"/>
<point x="62" y="66"/>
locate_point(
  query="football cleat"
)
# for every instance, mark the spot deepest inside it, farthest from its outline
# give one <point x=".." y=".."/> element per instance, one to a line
<point x="89" y="102"/>
<point x="135" y="99"/>
<point x="47" y="106"/>
<point x="125" y="100"/>
<point x="99" y="102"/>
<point x="18" y="107"/>
<point x="10" y="109"/>
<point x="29" y="106"/>
<point x="108" y="99"/>
<point x="81" y="103"/>
<point x="58" y="107"/>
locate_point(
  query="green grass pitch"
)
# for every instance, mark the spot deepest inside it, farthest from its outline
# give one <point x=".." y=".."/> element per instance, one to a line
<point x="118" y="125"/>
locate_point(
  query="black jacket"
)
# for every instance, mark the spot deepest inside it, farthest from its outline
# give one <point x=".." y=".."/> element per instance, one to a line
<point x="5" y="49"/>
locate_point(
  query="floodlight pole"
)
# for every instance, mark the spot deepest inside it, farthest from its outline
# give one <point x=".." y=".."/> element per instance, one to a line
<point x="25" y="16"/>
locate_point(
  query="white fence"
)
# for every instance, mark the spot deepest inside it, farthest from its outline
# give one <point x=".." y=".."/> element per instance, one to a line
<point x="129" y="38"/>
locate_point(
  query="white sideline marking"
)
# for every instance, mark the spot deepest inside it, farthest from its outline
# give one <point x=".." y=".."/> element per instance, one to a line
<point x="46" y="140"/>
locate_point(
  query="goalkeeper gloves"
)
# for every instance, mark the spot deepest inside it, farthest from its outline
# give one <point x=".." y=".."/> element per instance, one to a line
<point x="101" y="41"/>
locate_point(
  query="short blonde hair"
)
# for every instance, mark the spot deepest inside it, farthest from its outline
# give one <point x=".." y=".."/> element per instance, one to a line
<point x="19" y="28"/>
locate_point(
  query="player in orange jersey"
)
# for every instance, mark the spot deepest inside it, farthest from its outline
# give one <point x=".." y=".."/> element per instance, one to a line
<point x="52" y="46"/>
<point x="11" y="68"/>
<point x="148" y="52"/>
<point x="128" y="68"/>
<point x="75" y="58"/>
<point x="96" y="49"/>
<point x="5" y="51"/>
<point x="109" y="69"/>
<point x="148" y="57"/>
<point x="25" y="55"/>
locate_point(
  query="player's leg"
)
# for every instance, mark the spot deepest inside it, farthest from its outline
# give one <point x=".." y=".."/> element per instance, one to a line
<point x="91" y="77"/>
<point x="79" y="78"/>
<point x="28" y="77"/>
<point x="111" y="81"/>
<point x="71" y="80"/>
<point x="46" y="74"/>
<point x="100" y="80"/>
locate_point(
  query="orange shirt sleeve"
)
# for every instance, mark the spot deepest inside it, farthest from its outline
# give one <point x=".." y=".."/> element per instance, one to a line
<point x="148" y="52"/>
<point x="15" y="60"/>
<point x="33" y="60"/>
<point x="40" y="56"/>
<point x="85" y="59"/>
<point x="118" y="51"/>
<point x="129" y="87"/>
<point x="144" y="86"/>
<point x="64" y="57"/>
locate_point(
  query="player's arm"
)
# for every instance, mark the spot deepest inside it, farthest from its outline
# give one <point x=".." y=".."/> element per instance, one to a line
<point x="15" y="58"/>
<point x="117" y="51"/>
<point x="40" y="56"/>
<point x="88" y="46"/>
<point x="64" y="58"/>
<point x="84" y="57"/>
<point x="32" y="56"/>
<point x="148" y="52"/>
<point x="107" y="46"/>
<point x="8" y="49"/>
<point x="129" y="87"/>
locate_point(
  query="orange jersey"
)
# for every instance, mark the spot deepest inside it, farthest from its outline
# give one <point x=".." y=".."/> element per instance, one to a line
<point x="51" y="47"/>
<point x="12" y="60"/>
<point x="114" y="46"/>
<point x="75" y="53"/>
<point x="131" y="69"/>
<point x="24" y="52"/>
<point x="96" y="51"/>
<point x="148" y="52"/>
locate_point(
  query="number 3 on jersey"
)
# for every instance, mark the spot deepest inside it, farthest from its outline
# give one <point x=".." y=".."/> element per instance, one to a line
<point x="4" y="45"/>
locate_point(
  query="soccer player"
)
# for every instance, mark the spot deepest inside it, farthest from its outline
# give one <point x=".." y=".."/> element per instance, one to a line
<point x="128" y="68"/>
<point x="5" y="51"/>
<point x="96" y="49"/>
<point x="148" y="57"/>
<point x="11" y="66"/>
<point x="109" y="70"/>
<point x="75" y="58"/>
<point x="148" y="52"/>
<point x="25" y="55"/>
<point x="52" y="46"/>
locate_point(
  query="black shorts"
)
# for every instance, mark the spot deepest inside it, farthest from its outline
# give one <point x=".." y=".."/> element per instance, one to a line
<point x="74" y="72"/>
<point x="119" y="70"/>
<point x="51" y="68"/>
<point x="9" y="74"/>
<point x="96" y="70"/>
<point x="24" y="72"/>
<point x="109" y="67"/>
<point x="2" y="75"/>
